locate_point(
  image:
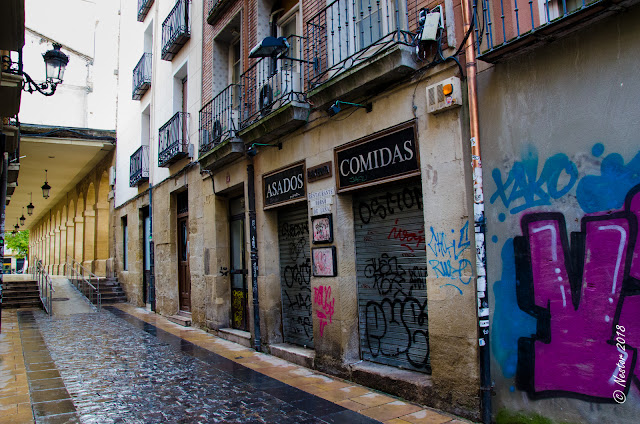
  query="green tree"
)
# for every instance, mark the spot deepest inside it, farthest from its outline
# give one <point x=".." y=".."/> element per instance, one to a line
<point x="19" y="243"/>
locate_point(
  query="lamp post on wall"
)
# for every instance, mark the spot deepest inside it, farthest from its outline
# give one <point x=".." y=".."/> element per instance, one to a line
<point x="55" y="64"/>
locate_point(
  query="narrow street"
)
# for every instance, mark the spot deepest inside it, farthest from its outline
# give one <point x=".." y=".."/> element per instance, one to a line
<point x="127" y="365"/>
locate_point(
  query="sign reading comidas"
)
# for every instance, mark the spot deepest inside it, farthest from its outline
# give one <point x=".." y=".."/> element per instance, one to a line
<point x="284" y="186"/>
<point x="390" y="154"/>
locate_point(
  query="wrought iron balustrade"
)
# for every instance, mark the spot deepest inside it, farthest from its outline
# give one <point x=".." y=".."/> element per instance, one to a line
<point x="219" y="118"/>
<point x="173" y="139"/>
<point x="143" y="9"/>
<point x="142" y="76"/>
<point x="139" y="166"/>
<point x="348" y="32"/>
<point x="175" y="29"/>
<point x="270" y="84"/>
<point x="503" y="27"/>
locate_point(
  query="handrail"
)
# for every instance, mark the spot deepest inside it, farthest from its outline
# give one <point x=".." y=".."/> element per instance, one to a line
<point x="45" y="285"/>
<point x="87" y="287"/>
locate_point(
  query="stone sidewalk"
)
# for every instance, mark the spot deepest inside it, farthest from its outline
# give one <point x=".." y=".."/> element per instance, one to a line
<point x="276" y="388"/>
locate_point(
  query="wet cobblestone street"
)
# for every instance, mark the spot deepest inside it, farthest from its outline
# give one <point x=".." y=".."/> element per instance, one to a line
<point x="117" y="372"/>
<point x="129" y="365"/>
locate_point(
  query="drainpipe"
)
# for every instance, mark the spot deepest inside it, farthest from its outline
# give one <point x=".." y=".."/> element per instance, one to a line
<point x="479" y="216"/>
<point x="152" y="280"/>
<point x="253" y="232"/>
<point x="3" y="201"/>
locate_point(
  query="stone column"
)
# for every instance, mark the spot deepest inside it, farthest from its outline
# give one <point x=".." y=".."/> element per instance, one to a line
<point x="52" y="250"/>
<point x="71" y="239"/>
<point x="56" y="251"/>
<point x="79" y="233"/>
<point x="63" y="249"/>
<point x="101" y="247"/>
<point x="89" y="239"/>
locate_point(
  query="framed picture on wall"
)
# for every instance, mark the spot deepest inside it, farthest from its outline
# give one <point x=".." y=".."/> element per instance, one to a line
<point x="324" y="261"/>
<point x="322" y="226"/>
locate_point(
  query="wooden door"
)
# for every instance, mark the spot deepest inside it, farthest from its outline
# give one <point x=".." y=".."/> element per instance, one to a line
<point x="184" y="277"/>
<point x="238" y="271"/>
<point x="146" y="253"/>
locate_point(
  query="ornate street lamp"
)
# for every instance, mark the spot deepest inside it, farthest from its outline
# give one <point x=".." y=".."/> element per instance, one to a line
<point x="30" y="206"/>
<point x="45" y="187"/>
<point x="22" y="218"/>
<point x="55" y="65"/>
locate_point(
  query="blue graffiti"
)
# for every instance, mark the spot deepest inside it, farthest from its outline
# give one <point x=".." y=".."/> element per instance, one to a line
<point x="607" y="191"/>
<point x="509" y="322"/>
<point x="525" y="189"/>
<point x="447" y="249"/>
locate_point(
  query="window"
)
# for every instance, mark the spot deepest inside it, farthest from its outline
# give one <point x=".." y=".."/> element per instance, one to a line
<point x="125" y="243"/>
<point x="553" y="9"/>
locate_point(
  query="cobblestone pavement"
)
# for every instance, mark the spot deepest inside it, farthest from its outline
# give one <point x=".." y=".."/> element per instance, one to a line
<point x="127" y="365"/>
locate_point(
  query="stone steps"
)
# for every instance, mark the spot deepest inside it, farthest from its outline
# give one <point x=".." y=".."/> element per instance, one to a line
<point x="20" y="294"/>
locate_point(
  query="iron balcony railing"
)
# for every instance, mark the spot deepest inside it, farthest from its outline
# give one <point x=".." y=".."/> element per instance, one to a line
<point x="212" y="7"/>
<point x="175" y="29"/>
<point x="142" y="76"/>
<point x="219" y="118"/>
<point x="501" y="23"/>
<point x="173" y="139"/>
<point x="139" y="166"/>
<point x="143" y="9"/>
<point x="348" y="32"/>
<point x="270" y="84"/>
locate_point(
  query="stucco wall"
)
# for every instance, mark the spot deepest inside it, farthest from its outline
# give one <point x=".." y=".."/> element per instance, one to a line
<point x="559" y="128"/>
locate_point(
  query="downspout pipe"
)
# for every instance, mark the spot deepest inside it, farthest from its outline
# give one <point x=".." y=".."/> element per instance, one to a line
<point x="253" y="234"/>
<point x="152" y="280"/>
<point x="3" y="201"/>
<point x="479" y="216"/>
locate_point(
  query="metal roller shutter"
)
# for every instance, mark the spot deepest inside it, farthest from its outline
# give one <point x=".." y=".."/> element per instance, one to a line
<point x="295" y="275"/>
<point x="391" y="274"/>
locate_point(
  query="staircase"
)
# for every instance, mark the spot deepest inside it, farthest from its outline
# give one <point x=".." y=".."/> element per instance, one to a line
<point x="21" y="294"/>
<point x="110" y="290"/>
<point x="181" y="318"/>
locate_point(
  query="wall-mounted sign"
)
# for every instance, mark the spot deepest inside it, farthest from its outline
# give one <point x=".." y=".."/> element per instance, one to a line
<point x="319" y="172"/>
<point x="388" y="155"/>
<point x="321" y="201"/>
<point x="284" y="186"/>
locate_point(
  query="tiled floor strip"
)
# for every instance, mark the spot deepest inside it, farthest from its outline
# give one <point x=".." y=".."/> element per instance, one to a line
<point x="50" y="400"/>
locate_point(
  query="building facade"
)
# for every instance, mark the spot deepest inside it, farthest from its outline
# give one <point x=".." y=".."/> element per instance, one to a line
<point x="310" y="199"/>
<point x="559" y="124"/>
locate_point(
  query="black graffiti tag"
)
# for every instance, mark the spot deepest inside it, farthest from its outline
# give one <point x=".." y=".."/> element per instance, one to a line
<point x="387" y="204"/>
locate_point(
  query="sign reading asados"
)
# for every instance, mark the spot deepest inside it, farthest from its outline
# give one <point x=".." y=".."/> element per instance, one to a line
<point x="386" y="155"/>
<point x="284" y="186"/>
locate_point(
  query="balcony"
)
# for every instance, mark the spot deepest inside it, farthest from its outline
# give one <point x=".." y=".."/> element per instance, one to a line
<point x="142" y="76"/>
<point x="173" y="139"/>
<point x="213" y="9"/>
<point x="356" y="47"/>
<point x="219" y="123"/>
<point x="274" y="100"/>
<point x="10" y="127"/>
<point x="11" y="81"/>
<point x="139" y="167"/>
<point x="509" y="30"/>
<point x="143" y="9"/>
<point x="175" y="29"/>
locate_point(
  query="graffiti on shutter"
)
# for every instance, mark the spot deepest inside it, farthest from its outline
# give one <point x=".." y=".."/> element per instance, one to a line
<point x="295" y="275"/>
<point x="391" y="276"/>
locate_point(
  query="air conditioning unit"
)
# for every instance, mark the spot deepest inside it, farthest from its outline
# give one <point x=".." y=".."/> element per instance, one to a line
<point x="278" y="90"/>
<point x="444" y="95"/>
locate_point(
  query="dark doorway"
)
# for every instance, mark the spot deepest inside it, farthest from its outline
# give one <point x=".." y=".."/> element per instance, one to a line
<point x="184" y="276"/>
<point x="146" y="254"/>
<point x="238" y="272"/>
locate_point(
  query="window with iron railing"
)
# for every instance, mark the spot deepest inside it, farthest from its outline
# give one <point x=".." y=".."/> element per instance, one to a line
<point x="269" y="84"/>
<point x="139" y="166"/>
<point x="219" y="119"/>
<point x="503" y="27"/>
<point x="173" y="140"/>
<point x="175" y="29"/>
<point x="348" y="32"/>
<point x="142" y="76"/>
<point x="143" y="9"/>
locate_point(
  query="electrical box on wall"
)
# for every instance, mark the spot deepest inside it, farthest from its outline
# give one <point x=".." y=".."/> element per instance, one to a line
<point x="444" y="95"/>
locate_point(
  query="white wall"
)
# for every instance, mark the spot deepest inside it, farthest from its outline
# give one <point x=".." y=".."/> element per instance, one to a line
<point x="161" y="97"/>
<point x="86" y="29"/>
